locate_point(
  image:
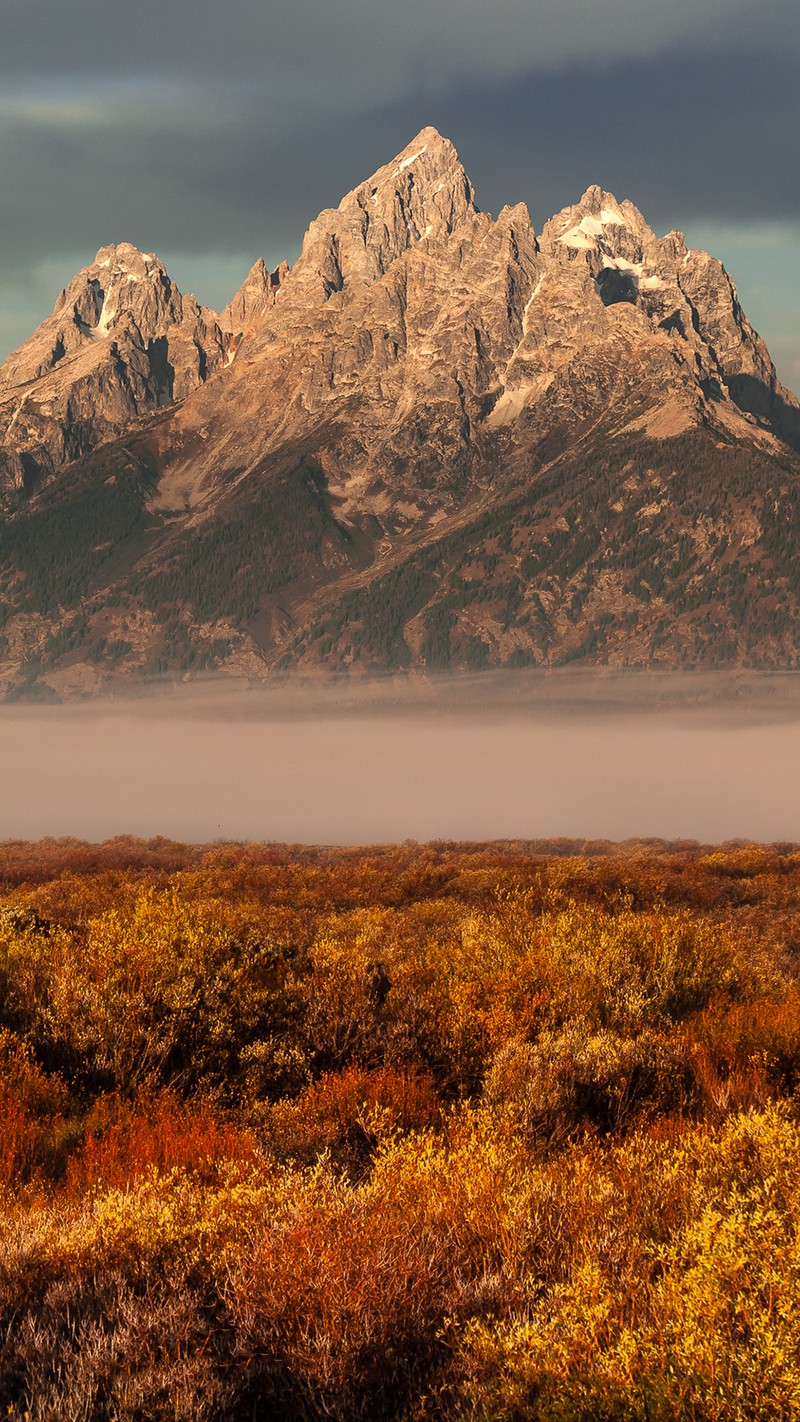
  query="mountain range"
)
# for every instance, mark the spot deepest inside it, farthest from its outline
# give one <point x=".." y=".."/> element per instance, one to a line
<point x="439" y="440"/>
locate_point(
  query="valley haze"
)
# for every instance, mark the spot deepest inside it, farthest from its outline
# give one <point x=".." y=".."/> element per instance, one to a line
<point x="611" y="757"/>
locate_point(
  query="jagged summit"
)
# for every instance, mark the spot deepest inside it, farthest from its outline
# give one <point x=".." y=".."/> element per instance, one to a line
<point x="428" y="140"/>
<point x="125" y="257"/>
<point x="598" y="221"/>
<point x="423" y="192"/>
<point x="122" y="340"/>
<point x="122" y="287"/>
<point x="596" y="199"/>
<point x="430" y="170"/>
<point x="429" y="180"/>
<point x="255" y="296"/>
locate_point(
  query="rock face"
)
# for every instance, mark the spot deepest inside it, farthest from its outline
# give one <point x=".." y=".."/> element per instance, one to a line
<point x="254" y="298"/>
<point x="121" y="342"/>
<point x="684" y="293"/>
<point x="437" y="440"/>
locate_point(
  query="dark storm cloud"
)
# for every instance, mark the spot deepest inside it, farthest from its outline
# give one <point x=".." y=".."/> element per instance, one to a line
<point x="343" y="43"/>
<point x="685" y="138"/>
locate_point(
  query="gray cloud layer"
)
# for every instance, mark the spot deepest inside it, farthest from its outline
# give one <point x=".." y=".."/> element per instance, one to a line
<point x="347" y="46"/>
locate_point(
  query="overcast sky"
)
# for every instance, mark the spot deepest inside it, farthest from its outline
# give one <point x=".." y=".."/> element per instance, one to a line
<point x="212" y="131"/>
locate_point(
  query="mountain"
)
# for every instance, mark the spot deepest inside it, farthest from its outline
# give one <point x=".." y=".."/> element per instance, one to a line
<point x="438" y="440"/>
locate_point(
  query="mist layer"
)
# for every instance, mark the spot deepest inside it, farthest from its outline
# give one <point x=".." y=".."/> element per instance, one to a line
<point x="332" y="771"/>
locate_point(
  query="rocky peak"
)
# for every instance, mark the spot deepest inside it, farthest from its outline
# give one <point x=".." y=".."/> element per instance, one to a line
<point x="673" y="246"/>
<point x="685" y="294"/>
<point x="255" y="296"/>
<point x="121" y="260"/>
<point x="120" y="289"/>
<point x="597" y="228"/>
<point x="407" y="309"/>
<point x="423" y="193"/>
<point x="135" y="286"/>
<point x="121" y="341"/>
<point x="739" y="354"/>
<point x="429" y="183"/>
<point x="452" y="440"/>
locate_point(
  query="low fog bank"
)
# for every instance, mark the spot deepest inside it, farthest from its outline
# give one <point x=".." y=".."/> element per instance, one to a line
<point x="597" y="755"/>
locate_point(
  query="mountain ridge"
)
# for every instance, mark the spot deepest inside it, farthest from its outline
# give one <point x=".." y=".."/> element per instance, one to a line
<point x="429" y="394"/>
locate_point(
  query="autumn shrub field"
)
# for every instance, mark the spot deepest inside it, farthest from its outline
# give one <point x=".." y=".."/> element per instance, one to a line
<point x="499" y="1132"/>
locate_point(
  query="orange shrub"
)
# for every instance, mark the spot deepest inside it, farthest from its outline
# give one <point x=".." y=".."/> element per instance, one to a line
<point x="602" y="1223"/>
<point x="577" y="1079"/>
<point x="348" y="1112"/>
<point x="122" y="1141"/>
<point x="767" y="1028"/>
<point x="742" y="1053"/>
<point x="337" y="1308"/>
<point x="32" y="1107"/>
